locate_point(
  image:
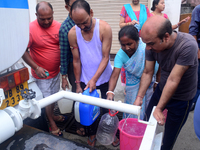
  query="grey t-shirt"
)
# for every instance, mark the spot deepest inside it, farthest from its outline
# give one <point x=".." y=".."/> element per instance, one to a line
<point x="183" y="52"/>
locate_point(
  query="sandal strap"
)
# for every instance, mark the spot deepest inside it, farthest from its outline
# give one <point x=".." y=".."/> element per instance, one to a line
<point x="92" y="140"/>
<point x="56" y="131"/>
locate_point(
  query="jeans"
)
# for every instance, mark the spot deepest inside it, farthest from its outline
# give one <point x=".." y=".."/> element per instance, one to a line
<point x="198" y="85"/>
<point x="176" y="117"/>
<point x="197" y="118"/>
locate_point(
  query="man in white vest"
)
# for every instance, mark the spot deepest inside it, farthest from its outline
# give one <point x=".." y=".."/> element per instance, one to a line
<point x="90" y="40"/>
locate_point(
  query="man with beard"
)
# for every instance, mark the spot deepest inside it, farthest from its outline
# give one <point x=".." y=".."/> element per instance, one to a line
<point x="44" y="58"/>
<point x="90" y="40"/>
<point x="176" y="54"/>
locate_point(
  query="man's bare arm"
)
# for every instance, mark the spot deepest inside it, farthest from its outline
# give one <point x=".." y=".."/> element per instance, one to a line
<point x="76" y="58"/>
<point x="38" y="70"/>
<point x="168" y="91"/>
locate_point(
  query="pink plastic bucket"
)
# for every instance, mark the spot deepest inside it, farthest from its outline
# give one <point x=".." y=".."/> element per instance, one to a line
<point x="131" y="134"/>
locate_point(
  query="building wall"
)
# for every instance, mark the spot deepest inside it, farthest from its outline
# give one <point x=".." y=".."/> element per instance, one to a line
<point x="107" y="10"/>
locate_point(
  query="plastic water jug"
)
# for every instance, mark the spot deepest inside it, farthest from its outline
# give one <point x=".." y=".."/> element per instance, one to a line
<point x="86" y="112"/>
<point x="65" y="105"/>
<point x="107" y="128"/>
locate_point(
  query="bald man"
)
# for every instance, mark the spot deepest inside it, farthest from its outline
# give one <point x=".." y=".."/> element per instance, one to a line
<point x="176" y="54"/>
<point x="44" y="57"/>
<point x="90" y="40"/>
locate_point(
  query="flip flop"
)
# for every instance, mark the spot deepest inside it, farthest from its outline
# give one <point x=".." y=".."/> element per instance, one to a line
<point x="80" y="131"/>
<point x="56" y="132"/>
<point x="92" y="141"/>
<point x="61" y="118"/>
<point x="115" y="145"/>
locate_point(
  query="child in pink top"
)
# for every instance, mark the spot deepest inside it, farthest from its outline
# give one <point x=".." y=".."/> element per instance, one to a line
<point x="158" y="6"/>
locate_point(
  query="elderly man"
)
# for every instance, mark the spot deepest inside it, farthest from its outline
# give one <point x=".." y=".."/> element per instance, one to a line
<point x="176" y="54"/>
<point x="44" y="57"/>
<point x="90" y="42"/>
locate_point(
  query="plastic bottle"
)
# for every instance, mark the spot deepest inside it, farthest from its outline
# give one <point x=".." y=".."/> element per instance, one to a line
<point x="65" y="105"/>
<point x="107" y="128"/>
<point x="47" y="73"/>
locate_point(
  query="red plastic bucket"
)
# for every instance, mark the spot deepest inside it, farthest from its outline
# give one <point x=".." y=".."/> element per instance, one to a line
<point x="131" y="134"/>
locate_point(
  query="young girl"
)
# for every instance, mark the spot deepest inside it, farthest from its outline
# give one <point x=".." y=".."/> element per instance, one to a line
<point x="158" y="6"/>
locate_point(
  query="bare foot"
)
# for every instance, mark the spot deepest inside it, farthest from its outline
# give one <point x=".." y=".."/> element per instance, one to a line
<point x="80" y="131"/>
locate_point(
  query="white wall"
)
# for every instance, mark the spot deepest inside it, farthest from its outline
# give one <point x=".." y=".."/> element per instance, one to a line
<point x="32" y="11"/>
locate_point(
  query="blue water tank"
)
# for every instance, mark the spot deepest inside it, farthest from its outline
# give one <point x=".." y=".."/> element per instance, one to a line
<point x="89" y="113"/>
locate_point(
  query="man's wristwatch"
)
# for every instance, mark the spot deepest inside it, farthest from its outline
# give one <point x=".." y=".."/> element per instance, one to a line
<point x="64" y="76"/>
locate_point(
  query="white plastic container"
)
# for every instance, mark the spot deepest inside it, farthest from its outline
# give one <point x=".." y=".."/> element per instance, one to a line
<point x="65" y="105"/>
<point x="76" y="111"/>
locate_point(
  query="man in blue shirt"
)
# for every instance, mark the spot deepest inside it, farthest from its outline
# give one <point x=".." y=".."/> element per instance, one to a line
<point x="66" y="58"/>
<point x="194" y="30"/>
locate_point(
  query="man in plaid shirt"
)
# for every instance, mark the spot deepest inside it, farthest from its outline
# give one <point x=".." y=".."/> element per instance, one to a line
<point x="66" y="59"/>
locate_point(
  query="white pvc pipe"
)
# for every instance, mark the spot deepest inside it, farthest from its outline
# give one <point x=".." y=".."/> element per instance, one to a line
<point x="7" y="126"/>
<point x="127" y="108"/>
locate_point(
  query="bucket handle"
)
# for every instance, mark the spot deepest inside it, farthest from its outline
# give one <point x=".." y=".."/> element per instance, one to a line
<point x="112" y="114"/>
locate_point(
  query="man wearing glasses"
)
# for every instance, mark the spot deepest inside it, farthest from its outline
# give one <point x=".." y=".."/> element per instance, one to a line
<point x="176" y="54"/>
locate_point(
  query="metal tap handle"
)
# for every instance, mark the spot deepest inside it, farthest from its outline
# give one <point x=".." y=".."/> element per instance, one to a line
<point x="30" y="94"/>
